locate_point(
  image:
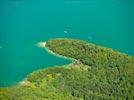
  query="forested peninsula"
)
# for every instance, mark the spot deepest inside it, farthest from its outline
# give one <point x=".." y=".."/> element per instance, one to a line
<point x="96" y="73"/>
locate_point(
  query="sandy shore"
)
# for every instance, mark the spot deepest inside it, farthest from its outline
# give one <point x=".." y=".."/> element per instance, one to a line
<point x="24" y="82"/>
<point x="43" y="45"/>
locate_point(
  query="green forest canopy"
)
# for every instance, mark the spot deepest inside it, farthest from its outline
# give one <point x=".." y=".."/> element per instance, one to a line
<point x="97" y="74"/>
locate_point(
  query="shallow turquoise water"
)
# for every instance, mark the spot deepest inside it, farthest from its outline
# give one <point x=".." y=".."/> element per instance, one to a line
<point x="24" y="23"/>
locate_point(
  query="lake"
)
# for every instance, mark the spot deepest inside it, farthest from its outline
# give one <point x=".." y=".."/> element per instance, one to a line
<point x="25" y="23"/>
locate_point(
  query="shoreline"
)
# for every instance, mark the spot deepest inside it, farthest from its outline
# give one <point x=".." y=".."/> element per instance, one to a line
<point x="25" y="82"/>
<point x="43" y="45"/>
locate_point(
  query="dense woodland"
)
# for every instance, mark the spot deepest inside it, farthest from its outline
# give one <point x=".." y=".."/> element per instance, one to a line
<point x="89" y="54"/>
<point x="98" y="73"/>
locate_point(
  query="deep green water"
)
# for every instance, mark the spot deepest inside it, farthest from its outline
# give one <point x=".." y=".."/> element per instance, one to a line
<point x="25" y="23"/>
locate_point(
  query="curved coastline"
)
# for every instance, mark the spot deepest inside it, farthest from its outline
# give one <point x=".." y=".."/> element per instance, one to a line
<point x="60" y="82"/>
<point x="43" y="45"/>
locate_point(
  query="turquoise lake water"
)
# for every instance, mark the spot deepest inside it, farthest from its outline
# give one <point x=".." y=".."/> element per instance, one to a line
<point x="25" y="23"/>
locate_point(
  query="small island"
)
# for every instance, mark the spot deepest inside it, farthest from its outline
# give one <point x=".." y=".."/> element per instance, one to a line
<point x="96" y="73"/>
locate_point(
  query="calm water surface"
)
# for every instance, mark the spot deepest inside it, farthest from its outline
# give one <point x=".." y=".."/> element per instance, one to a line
<point x="25" y="23"/>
